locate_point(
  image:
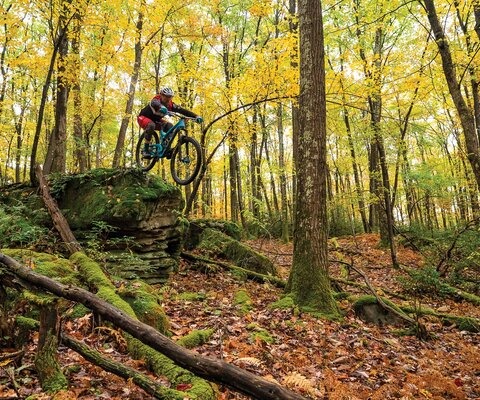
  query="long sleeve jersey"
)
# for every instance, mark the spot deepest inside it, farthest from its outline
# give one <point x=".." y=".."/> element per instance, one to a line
<point x="147" y="111"/>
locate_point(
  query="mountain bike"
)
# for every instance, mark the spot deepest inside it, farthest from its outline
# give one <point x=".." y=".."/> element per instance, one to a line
<point x="185" y="157"/>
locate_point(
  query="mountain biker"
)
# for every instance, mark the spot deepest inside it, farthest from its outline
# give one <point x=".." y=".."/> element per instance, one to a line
<point x="151" y="117"/>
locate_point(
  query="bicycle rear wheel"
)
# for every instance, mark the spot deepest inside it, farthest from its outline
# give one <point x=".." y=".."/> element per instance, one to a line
<point x="143" y="162"/>
<point x="186" y="160"/>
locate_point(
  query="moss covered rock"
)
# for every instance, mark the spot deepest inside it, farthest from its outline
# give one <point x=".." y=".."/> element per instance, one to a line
<point x="368" y="309"/>
<point x="218" y="243"/>
<point x="129" y="216"/>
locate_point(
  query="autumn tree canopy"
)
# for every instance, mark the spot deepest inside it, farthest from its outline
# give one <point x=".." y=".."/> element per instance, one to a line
<point x="402" y="140"/>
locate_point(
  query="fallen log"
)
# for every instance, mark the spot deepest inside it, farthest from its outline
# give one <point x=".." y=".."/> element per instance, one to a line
<point x="59" y="221"/>
<point x="206" y="367"/>
<point x="150" y="386"/>
<point x="228" y="266"/>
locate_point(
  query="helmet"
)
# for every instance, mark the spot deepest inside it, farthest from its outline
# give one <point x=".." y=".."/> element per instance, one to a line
<point x="167" y="92"/>
<point x="156" y="104"/>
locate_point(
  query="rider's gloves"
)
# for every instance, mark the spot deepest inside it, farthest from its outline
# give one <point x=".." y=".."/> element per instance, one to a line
<point x="199" y="120"/>
<point x="163" y="110"/>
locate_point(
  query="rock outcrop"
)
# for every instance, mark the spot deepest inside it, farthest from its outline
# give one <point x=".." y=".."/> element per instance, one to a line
<point x="127" y="215"/>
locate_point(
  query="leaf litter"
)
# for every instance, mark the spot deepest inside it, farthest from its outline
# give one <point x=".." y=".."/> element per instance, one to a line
<point x="320" y="359"/>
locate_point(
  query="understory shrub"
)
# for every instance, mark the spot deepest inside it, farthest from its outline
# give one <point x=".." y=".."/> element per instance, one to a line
<point x="18" y="227"/>
<point x="456" y="250"/>
<point x="424" y="282"/>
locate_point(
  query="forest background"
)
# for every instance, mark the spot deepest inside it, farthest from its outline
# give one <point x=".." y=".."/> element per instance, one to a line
<point x="73" y="76"/>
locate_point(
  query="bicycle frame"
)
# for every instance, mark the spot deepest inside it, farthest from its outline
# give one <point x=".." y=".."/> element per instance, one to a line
<point x="166" y="138"/>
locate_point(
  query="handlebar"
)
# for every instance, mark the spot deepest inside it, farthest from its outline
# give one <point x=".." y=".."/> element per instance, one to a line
<point x="174" y="114"/>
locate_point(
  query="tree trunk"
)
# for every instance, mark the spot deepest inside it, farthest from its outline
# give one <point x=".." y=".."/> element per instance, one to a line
<point x="234" y="207"/>
<point x="46" y="364"/>
<point x="293" y="28"/>
<point x="356" y="174"/>
<point x="207" y="196"/>
<point x="236" y="171"/>
<point x="80" y="143"/>
<point x="255" y="155"/>
<point x="283" y="176"/>
<point x="465" y="114"/>
<point x="18" y="151"/>
<point x="309" y="283"/>
<point x="117" y="156"/>
<point x="57" y="147"/>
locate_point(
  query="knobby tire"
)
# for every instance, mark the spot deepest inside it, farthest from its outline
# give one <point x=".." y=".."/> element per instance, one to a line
<point x="186" y="160"/>
<point x="145" y="164"/>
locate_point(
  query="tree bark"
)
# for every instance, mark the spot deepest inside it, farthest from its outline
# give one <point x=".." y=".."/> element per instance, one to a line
<point x="205" y="367"/>
<point x="44" y="98"/>
<point x="80" y="142"/>
<point x="117" y="156"/>
<point x="59" y="220"/>
<point x="283" y="175"/>
<point x="56" y="158"/>
<point x="46" y="363"/>
<point x="465" y="114"/>
<point x="309" y="283"/>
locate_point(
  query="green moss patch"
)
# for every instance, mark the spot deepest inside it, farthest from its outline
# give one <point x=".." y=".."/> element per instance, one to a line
<point x="260" y="334"/>
<point x="217" y="243"/>
<point x="109" y="195"/>
<point x="243" y="301"/>
<point x="54" y="267"/>
<point x="286" y="303"/>
<point x="189" y="296"/>
<point x="195" y="338"/>
<point x="145" y="302"/>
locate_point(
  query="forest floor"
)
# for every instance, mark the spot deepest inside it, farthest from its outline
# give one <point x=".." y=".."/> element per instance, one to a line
<point x="320" y="359"/>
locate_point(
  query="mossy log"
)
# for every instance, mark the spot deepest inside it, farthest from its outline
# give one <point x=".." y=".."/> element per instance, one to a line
<point x="198" y="260"/>
<point x="206" y="367"/>
<point x="157" y="362"/>
<point x="463" y="323"/>
<point x="142" y="381"/>
<point x="213" y="241"/>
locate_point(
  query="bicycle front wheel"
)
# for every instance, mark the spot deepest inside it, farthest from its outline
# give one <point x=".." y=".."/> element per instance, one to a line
<point x="186" y="160"/>
<point x="145" y="156"/>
